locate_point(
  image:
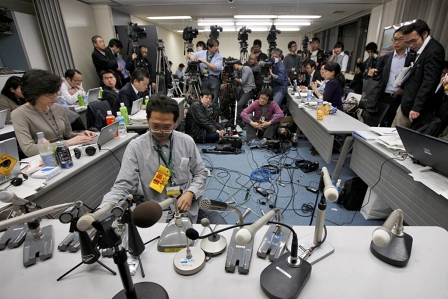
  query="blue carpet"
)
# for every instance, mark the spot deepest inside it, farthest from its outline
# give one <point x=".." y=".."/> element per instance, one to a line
<point x="230" y="182"/>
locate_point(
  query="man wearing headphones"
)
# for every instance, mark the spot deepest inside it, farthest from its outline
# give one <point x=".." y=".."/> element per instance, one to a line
<point x="264" y="122"/>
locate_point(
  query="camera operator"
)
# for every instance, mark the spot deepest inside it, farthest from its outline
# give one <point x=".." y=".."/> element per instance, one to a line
<point x="316" y="54"/>
<point x="256" y="48"/>
<point x="253" y="64"/>
<point x="279" y="76"/>
<point x="246" y="79"/>
<point x="139" y="60"/>
<point x="210" y="67"/>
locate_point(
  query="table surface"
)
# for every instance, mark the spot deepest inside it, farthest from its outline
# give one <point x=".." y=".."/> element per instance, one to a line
<point x="350" y="272"/>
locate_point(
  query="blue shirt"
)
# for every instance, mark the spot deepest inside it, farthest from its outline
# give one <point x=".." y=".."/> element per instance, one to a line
<point x="280" y="81"/>
<point x="395" y="69"/>
<point x="215" y="59"/>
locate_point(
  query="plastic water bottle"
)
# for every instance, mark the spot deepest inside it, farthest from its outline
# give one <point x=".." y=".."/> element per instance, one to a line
<point x="309" y="96"/>
<point x="64" y="156"/>
<point x="124" y="113"/>
<point x="46" y="151"/>
<point x="122" y="131"/>
<point x="64" y="102"/>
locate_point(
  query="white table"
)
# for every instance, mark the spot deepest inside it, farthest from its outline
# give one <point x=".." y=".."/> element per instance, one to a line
<point x="350" y="272"/>
<point x="397" y="188"/>
<point x="88" y="180"/>
<point x="321" y="133"/>
<point x="7" y="132"/>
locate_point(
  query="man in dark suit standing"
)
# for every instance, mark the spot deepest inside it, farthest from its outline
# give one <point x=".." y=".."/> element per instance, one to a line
<point x="103" y="58"/>
<point x="423" y="77"/>
<point x="133" y="90"/>
<point x="389" y="67"/>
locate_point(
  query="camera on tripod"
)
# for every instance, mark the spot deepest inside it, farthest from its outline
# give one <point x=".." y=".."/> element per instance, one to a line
<point x="193" y="68"/>
<point x="189" y="33"/>
<point x="272" y="36"/>
<point x="135" y="33"/>
<point x="228" y="67"/>
<point x="243" y="35"/>
<point x="305" y="42"/>
<point x="214" y="31"/>
<point x="264" y="69"/>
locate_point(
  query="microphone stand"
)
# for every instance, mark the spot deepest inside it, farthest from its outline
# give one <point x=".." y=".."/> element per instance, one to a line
<point x="89" y="253"/>
<point x="15" y="234"/>
<point x="315" y="243"/>
<point x="106" y="237"/>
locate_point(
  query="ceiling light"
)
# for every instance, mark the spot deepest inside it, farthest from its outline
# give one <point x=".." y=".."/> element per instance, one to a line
<point x="288" y="29"/>
<point x="265" y="23"/>
<point x="229" y="29"/>
<point x="292" y="23"/>
<point x="298" y="17"/>
<point x="170" y="18"/>
<point x="255" y="16"/>
<point x="216" y="23"/>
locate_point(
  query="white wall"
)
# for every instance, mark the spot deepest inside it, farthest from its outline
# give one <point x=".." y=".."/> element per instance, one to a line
<point x="80" y="25"/>
<point x="104" y="22"/>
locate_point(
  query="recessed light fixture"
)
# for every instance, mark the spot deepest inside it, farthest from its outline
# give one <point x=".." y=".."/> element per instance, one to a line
<point x="218" y="23"/>
<point x="298" y="17"/>
<point x="254" y="23"/>
<point x="288" y="29"/>
<point x="292" y="23"/>
<point x="170" y="18"/>
<point x="255" y="16"/>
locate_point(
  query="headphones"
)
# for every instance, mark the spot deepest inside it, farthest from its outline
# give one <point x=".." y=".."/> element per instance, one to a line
<point x="306" y="165"/>
<point x="18" y="181"/>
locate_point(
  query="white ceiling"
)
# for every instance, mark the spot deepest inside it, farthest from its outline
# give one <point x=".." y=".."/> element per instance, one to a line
<point x="332" y="12"/>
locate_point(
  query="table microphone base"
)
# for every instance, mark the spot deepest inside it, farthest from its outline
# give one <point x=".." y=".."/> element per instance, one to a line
<point x="42" y="246"/>
<point x="189" y="266"/>
<point x="146" y="290"/>
<point x="396" y="253"/>
<point x="319" y="253"/>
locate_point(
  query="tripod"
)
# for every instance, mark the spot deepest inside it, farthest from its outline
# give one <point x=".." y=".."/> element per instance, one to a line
<point x="244" y="55"/>
<point x="161" y="69"/>
<point x="229" y="95"/>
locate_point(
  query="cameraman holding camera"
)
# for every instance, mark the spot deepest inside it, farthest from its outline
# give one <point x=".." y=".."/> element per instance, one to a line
<point x="210" y="67"/>
<point x="279" y="76"/>
<point x="245" y="77"/>
<point x="139" y="60"/>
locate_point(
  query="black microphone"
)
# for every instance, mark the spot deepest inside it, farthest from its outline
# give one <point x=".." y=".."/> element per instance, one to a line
<point x="146" y="214"/>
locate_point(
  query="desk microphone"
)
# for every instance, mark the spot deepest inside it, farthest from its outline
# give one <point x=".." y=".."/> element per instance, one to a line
<point x="247" y="233"/>
<point x="146" y="214"/>
<point x="85" y="222"/>
<point x="214" y="205"/>
<point x="330" y="192"/>
<point x="11" y="197"/>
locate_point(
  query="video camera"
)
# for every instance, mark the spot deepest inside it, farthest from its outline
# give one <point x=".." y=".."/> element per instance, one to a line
<point x="135" y="33"/>
<point x="305" y="42"/>
<point x="160" y="44"/>
<point x="242" y="37"/>
<point x="193" y="68"/>
<point x="272" y="37"/>
<point x="189" y="33"/>
<point x="228" y="68"/>
<point x="214" y="31"/>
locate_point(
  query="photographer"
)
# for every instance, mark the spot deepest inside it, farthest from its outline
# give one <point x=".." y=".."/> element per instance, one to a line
<point x="139" y="60"/>
<point x="256" y="48"/>
<point x="279" y="76"/>
<point x="246" y="79"/>
<point x="255" y="67"/>
<point x="210" y="68"/>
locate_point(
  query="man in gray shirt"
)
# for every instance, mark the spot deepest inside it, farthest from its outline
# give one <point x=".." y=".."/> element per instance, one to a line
<point x="162" y="146"/>
<point x="246" y="79"/>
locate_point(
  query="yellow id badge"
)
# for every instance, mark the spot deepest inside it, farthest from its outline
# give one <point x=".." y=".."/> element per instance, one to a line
<point x="160" y="179"/>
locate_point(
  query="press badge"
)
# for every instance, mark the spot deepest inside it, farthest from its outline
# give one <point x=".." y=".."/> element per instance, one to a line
<point x="173" y="190"/>
<point x="160" y="179"/>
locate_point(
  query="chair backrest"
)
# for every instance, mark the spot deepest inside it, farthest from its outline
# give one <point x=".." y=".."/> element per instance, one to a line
<point x="96" y="114"/>
<point x="374" y="119"/>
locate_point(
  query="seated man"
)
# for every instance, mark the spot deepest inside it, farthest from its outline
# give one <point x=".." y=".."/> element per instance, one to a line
<point x="72" y="86"/>
<point x="264" y="122"/>
<point x="311" y="75"/>
<point x="162" y="146"/>
<point x="133" y="90"/>
<point x="199" y="122"/>
<point x="110" y="91"/>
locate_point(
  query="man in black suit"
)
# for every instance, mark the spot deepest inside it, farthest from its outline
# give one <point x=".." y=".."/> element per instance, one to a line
<point x="311" y="74"/>
<point x="110" y="91"/>
<point x="133" y="90"/>
<point x="389" y="67"/>
<point x="103" y="58"/>
<point x="422" y="79"/>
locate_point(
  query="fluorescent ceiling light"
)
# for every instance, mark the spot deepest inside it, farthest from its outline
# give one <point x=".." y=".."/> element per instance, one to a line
<point x="223" y="29"/>
<point x="292" y="23"/>
<point x="298" y="17"/>
<point x="288" y="29"/>
<point x="255" y="16"/>
<point x="216" y="23"/>
<point x="170" y="18"/>
<point x="248" y="24"/>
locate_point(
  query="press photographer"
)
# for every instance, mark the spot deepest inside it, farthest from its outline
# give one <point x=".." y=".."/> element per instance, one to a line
<point x="279" y="76"/>
<point x="244" y="77"/>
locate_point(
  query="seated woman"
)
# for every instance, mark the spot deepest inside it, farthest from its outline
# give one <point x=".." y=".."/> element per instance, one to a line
<point x="199" y="122"/>
<point x="264" y="122"/>
<point x="41" y="114"/>
<point x="11" y="96"/>
<point x="334" y="86"/>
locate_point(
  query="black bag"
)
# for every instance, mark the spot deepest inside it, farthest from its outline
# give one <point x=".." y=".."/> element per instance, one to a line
<point x="353" y="193"/>
<point x="370" y="94"/>
<point x="234" y="141"/>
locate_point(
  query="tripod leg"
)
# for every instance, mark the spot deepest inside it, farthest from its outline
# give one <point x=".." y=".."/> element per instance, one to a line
<point x="141" y="266"/>
<point x="110" y="270"/>
<point x="69" y="271"/>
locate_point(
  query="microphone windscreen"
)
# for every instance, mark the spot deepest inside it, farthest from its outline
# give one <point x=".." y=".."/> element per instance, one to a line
<point x="192" y="234"/>
<point x="146" y="214"/>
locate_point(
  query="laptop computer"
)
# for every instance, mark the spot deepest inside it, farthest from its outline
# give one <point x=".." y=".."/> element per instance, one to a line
<point x="136" y="106"/>
<point x="3" y="114"/>
<point x="107" y="134"/>
<point x="92" y="95"/>
<point x="425" y="150"/>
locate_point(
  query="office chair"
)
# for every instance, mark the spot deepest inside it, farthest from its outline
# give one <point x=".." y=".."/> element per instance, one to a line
<point x="374" y="119"/>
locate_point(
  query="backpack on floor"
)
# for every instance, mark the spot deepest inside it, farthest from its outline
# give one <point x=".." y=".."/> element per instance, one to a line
<point x="352" y="194"/>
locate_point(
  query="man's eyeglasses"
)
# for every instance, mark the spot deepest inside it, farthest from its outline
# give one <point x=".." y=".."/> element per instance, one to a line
<point x="400" y="39"/>
<point x="77" y="81"/>
<point x="412" y="41"/>
<point x="158" y="131"/>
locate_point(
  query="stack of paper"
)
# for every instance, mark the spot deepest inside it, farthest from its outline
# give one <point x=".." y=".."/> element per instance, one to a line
<point x="366" y="135"/>
<point x="392" y="142"/>
<point x="384" y="131"/>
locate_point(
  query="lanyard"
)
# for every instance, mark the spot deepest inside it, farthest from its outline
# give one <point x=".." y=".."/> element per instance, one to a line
<point x="209" y="58"/>
<point x="163" y="157"/>
<point x="58" y="136"/>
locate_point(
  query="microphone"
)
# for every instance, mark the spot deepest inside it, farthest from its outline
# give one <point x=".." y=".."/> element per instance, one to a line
<point x="214" y="205"/>
<point x="85" y="222"/>
<point x="166" y="203"/>
<point x="70" y="213"/>
<point x="330" y="192"/>
<point x="382" y="235"/>
<point x="390" y="243"/>
<point x="35" y="214"/>
<point x="213" y="245"/>
<point x="246" y="234"/>
<point x="11" y="197"/>
<point x="146" y="214"/>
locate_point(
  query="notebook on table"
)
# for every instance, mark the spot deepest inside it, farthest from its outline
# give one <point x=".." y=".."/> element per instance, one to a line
<point x="425" y="150"/>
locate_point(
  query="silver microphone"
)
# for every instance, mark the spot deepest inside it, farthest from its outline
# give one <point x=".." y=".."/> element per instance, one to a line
<point x="11" y="197"/>
<point x="214" y="205"/>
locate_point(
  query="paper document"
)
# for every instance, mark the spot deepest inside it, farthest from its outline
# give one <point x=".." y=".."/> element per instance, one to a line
<point x="366" y="135"/>
<point x="392" y="143"/>
<point x="384" y="131"/>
